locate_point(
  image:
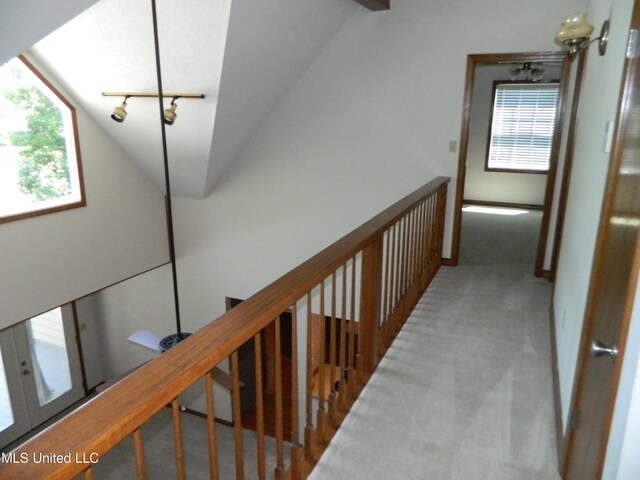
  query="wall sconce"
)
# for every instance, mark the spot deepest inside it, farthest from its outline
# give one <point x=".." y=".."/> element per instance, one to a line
<point x="120" y="112"/>
<point x="575" y="32"/>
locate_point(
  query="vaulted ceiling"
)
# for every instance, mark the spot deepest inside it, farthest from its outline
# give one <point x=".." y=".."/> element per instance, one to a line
<point x="243" y="55"/>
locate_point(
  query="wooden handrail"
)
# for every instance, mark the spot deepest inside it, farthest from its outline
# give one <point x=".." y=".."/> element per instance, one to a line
<point x="116" y="413"/>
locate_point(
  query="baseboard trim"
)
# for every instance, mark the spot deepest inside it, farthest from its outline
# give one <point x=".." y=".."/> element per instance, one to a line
<point x="555" y="374"/>
<point x="544" y="274"/>
<point x="491" y="203"/>
<point x="447" y="262"/>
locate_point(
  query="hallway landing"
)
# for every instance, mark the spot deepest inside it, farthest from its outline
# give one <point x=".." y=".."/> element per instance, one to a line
<point x="464" y="392"/>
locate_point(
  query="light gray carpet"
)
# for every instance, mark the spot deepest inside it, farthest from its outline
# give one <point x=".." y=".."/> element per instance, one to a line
<point x="157" y="434"/>
<point x="464" y="392"/>
<point x="488" y="239"/>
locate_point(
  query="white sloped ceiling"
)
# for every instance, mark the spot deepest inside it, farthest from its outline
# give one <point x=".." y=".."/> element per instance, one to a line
<point x="243" y="55"/>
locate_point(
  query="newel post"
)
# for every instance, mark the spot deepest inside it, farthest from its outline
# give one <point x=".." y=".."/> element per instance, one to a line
<point x="370" y="298"/>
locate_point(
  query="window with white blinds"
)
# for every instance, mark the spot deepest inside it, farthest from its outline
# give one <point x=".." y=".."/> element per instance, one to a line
<point x="522" y="125"/>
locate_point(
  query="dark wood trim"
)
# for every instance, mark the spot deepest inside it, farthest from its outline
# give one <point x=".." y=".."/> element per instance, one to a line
<point x="375" y="5"/>
<point x="370" y="304"/>
<point x="555" y="375"/>
<point x="76" y="139"/>
<point x="78" y="339"/>
<point x="491" y="203"/>
<point x="462" y="158"/>
<point x="196" y="413"/>
<point x="625" y="122"/>
<point x="446" y="262"/>
<point x="472" y="62"/>
<point x="158" y="382"/>
<point x="545" y="274"/>
<point x="121" y="281"/>
<point x="553" y="167"/>
<point x="568" y="166"/>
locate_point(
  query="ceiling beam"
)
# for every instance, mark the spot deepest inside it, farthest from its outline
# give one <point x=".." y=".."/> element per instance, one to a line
<point x="375" y="5"/>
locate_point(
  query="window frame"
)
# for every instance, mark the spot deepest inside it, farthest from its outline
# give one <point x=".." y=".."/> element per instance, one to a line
<point x="497" y="83"/>
<point x="82" y="202"/>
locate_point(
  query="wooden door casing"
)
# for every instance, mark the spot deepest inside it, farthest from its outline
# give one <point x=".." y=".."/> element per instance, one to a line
<point x="612" y="289"/>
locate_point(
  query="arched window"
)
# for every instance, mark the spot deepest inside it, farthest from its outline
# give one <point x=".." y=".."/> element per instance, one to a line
<point x="40" y="170"/>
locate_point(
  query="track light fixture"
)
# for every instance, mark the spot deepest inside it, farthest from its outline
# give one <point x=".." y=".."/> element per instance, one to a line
<point x="120" y="112"/>
<point x="170" y="114"/>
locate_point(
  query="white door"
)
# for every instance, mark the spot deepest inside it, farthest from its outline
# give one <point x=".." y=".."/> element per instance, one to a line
<point x="42" y="371"/>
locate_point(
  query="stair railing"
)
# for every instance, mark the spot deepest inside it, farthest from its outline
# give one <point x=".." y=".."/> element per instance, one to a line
<point x="323" y="325"/>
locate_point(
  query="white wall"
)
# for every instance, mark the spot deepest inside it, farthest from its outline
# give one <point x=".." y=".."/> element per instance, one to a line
<point x="24" y="22"/>
<point x="369" y="122"/>
<point x="53" y="259"/>
<point x="598" y="103"/>
<point x="269" y="46"/>
<point x="496" y="186"/>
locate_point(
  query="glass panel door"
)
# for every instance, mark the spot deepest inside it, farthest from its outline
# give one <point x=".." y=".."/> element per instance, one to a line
<point x="51" y="373"/>
<point x="40" y="373"/>
<point x="13" y="413"/>
<point x="47" y="343"/>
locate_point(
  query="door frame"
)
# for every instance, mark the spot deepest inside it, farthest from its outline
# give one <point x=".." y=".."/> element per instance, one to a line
<point x="624" y="122"/>
<point x="474" y="60"/>
<point x="20" y="370"/>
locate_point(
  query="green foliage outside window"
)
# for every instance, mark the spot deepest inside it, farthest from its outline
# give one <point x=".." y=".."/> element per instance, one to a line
<point x="43" y="168"/>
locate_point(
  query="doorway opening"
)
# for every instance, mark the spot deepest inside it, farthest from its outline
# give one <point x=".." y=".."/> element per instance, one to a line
<point x="508" y="160"/>
<point x="40" y="372"/>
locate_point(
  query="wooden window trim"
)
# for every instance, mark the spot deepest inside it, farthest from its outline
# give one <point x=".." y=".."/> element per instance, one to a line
<point x="76" y="139"/>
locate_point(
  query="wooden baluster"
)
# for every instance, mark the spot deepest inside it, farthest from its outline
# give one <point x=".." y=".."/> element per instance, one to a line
<point x="308" y="428"/>
<point x="406" y="243"/>
<point x="442" y="210"/>
<point x="353" y="331"/>
<point x="414" y="259"/>
<point x="412" y="237"/>
<point x="416" y="243"/>
<point x="320" y="430"/>
<point x="211" y="427"/>
<point x="382" y="337"/>
<point x="141" y="468"/>
<point x="424" y="235"/>
<point x="394" y="285"/>
<point x="342" y="388"/>
<point x="88" y="474"/>
<point x="370" y="296"/>
<point x="397" y="275"/>
<point x="401" y="240"/>
<point x="177" y="435"/>
<point x="279" y="414"/>
<point x="333" y="417"/>
<point x="257" y="341"/>
<point x="431" y="232"/>
<point x="295" y="441"/>
<point x="427" y="235"/>
<point x="237" y="417"/>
